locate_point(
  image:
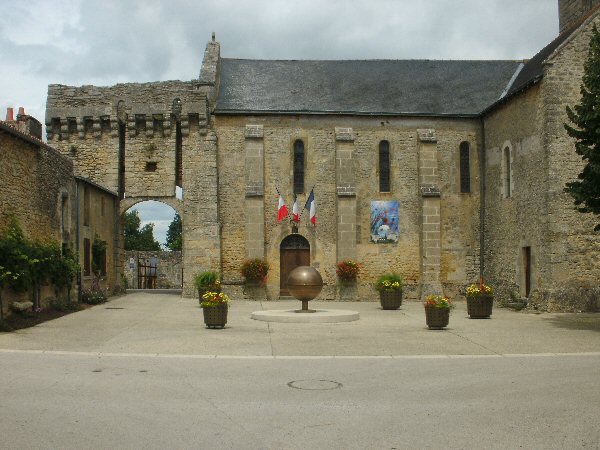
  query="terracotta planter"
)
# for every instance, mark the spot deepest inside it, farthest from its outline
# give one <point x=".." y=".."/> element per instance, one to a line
<point x="437" y="318"/>
<point x="215" y="316"/>
<point x="480" y="307"/>
<point x="390" y="299"/>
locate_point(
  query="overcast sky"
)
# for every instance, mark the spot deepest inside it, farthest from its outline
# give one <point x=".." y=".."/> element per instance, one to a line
<point x="78" y="42"/>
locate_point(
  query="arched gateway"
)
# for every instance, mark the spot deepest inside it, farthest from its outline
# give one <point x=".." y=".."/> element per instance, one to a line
<point x="294" y="251"/>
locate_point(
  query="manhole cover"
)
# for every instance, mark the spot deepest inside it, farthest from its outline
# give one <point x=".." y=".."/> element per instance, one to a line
<point x="314" y="385"/>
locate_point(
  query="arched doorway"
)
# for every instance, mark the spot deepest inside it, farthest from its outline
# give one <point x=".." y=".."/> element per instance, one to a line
<point x="294" y="251"/>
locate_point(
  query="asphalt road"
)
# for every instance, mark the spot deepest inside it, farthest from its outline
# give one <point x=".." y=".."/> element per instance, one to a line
<point x="79" y="400"/>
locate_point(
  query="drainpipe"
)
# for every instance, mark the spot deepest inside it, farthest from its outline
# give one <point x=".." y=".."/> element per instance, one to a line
<point x="482" y="185"/>
<point x="77" y="238"/>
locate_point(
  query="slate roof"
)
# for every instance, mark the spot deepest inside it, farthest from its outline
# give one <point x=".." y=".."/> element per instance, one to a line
<point x="410" y="87"/>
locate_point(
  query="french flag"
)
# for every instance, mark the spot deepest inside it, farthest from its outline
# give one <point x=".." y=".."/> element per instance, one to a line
<point x="282" y="210"/>
<point x="311" y="205"/>
<point x="295" y="212"/>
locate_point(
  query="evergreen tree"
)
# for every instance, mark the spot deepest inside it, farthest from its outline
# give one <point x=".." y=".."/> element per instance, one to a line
<point x="137" y="238"/>
<point x="173" y="241"/>
<point x="586" y="118"/>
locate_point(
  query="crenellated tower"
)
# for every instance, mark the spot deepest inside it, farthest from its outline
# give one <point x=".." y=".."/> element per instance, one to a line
<point x="142" y="140"/>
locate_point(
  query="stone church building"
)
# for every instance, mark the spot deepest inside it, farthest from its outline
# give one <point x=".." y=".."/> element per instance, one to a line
<point x="438" y="170"/>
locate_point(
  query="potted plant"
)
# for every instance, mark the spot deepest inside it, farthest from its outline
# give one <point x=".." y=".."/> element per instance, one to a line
<point x="389" y="287"/>
<point x="207" y="281"/>
<point x="480" y="300"/>
<point x="215" y="306"/>
<point x="255" y="271"/>
<point x="347" y="271"/>
<point x="437" y="311"/>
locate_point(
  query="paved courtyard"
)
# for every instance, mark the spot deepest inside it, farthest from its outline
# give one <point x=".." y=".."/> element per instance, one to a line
<point x="167" y="324"/>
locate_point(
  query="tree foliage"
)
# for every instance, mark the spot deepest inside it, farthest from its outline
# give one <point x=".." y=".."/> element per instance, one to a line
<point x="586" y="131"/>
<point x="173" y="241"/>
<point x="138" y="237"/>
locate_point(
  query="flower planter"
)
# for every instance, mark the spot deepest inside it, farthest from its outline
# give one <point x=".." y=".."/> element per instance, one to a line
<point x="390" y="299"/>
<point x="215" y="316"/>
<point x="480" y="307"/>
<point x="437" y="318"/>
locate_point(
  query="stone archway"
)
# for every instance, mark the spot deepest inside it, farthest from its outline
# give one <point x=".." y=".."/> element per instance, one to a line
<point x="294" y="251"/>
<point x="150" y="268"/>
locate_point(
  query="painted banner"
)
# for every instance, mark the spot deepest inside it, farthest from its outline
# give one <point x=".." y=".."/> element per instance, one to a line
<point x="384" y="221"/>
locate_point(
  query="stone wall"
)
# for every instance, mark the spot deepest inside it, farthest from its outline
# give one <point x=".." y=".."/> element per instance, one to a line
<point x="38" y="189"/>
<point x="169" y="268"/>
<point x="342" y="164"/>
<point x="99" y="219"/>
<point x="570" y="11"/>
<point x="538" y="214"/>
<point x="574" y="254"/>
<point x="518" y="220"/>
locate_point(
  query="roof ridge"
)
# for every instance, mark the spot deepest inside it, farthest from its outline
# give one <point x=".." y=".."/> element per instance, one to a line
<point x="374" y="60"/>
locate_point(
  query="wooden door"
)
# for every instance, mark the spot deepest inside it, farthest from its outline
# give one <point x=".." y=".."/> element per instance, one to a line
<point x="290" y="258"/>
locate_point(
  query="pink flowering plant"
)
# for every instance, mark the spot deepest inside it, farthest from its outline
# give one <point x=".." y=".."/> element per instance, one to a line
<point x="214" y="299"/>
<point x="438" y="301"/>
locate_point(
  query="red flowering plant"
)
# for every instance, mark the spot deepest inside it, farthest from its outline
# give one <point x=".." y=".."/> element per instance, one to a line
<point x="347" y="270"/>
<point x="255" y="270"/>
<point x="438" y="301"/>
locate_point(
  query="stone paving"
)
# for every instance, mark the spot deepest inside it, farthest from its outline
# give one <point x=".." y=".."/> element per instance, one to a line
<point x="171" y="325"/>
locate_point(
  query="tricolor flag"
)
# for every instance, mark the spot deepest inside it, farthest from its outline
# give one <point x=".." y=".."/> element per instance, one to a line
<point x="311" y="205"/>
<point x="295" y="212"/>
<point x="282" y="210"/>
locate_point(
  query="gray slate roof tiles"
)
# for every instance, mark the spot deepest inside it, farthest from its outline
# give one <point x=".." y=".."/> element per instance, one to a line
<point x="418" y="87"/>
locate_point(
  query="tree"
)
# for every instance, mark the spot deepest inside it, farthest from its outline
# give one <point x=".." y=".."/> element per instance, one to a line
<point x="586" y="118"/>
<point x="174" y="234"/>
<point x="137" y="238"/>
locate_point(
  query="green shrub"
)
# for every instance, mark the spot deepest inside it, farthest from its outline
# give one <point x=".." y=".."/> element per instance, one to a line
<point x="207" y="281"/>
<point x="389" y="282"/>
<point x="64" y="305"/>
<point x="93" y="297"/>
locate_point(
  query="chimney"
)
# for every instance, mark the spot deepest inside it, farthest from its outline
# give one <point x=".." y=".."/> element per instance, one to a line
<point x="9" y="115"/>
<point x="27" y="124"/>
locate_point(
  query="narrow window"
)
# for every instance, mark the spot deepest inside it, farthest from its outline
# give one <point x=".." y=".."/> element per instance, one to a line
<point x="384" y="166"/>
<point x="507" y="169"/>
<point x="102" y="207"/>
<point x="122" y="123"/>
<point x="178" y="154"/>
<point x="151" y="166"/>
<point x="465" y="168"/>
<point x="64" y="204"/>
<point x="298" y="167"/>
<point x="86" y="257"/>
<point x="527" y="269"/>
<point x="86" y="206"/>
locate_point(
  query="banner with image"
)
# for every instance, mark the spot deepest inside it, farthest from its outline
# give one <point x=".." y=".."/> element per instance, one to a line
<point x="384" y="221"/>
